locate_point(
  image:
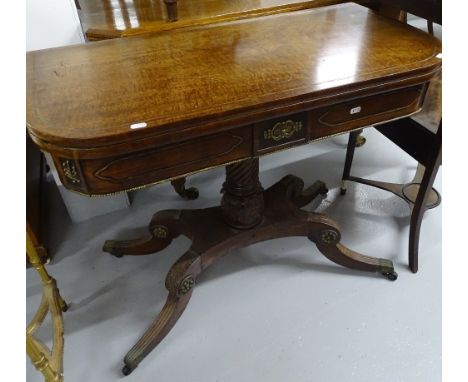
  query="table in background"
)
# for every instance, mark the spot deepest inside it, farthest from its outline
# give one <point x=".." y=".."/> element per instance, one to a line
<point x="104" y="19"/>
<point x="126" y="113"/>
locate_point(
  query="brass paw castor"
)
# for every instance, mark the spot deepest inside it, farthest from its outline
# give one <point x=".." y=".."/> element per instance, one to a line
<point x="191" y="193"/>
<point x="127" y="370"/>
<point x="392" y="276"/>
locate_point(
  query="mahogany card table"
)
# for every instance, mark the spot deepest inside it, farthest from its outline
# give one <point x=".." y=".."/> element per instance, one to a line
<point x="121" y="114"/>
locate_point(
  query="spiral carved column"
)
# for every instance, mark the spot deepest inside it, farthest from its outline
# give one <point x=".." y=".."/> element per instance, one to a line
<point x="242" y="203"/>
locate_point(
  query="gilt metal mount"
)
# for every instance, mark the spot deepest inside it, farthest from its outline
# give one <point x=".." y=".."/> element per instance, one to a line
<point x="283" y="130"/>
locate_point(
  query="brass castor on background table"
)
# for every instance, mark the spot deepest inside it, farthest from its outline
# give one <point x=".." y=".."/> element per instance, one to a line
<point x="247" y="215"/>
<point x="190" y="193"/>
<point x="392" y="276"/>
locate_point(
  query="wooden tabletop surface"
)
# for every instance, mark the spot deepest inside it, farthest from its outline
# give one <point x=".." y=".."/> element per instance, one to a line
<point x="91" y="95"/>
<point x="103" y="19"/>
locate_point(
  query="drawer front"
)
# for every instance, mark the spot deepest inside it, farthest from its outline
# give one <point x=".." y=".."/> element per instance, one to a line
<point x="118" y="173"/>
<point x="280" y="132"/>
<point x="365" y="112"/>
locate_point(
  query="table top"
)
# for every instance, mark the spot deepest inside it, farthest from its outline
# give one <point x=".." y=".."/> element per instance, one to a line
<point x="104" y="19"/>
<point x="90" y="95"/>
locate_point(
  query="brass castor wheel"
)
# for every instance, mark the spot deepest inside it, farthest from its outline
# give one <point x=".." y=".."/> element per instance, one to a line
<point x="127" y="370"/>
<point x="191" y="193"/>
<point x="392" y="276"/>
<point x="64" y="308"/>
<point x="108" y="247"/>
<point x="360" y="141"/>
<point x="323" y="190"/>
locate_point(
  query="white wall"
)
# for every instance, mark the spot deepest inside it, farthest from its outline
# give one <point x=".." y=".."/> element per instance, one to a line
<point x="52" y="23"/>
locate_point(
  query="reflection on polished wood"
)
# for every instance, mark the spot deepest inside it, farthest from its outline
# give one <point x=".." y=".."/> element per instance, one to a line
<point x="84" y="101"/>
<point x="126" y="113"/>
<point x="103" y="19"/>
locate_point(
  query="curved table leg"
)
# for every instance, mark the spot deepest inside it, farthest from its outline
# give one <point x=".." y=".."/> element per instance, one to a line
<point x="212" y="239"/>
<point x="164" y="227"/>
<point x="190" y="193"/>
<point x="305" y="197"/>
<point x="338" y="253"/>
<point x="417" y="213"/>
<point x="179" y="282"/>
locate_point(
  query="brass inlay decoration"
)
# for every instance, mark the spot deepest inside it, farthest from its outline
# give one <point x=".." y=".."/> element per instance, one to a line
<point x="186" y="285"/>
<point x="328" y="236"/>
<point x="110" y="172"/>
<point x="160" y="232"/>
<point x="70" y="171"/>
<point x="283" y="130"/>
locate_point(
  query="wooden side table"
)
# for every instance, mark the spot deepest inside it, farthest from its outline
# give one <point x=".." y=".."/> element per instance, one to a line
<point x="233" y="93"/>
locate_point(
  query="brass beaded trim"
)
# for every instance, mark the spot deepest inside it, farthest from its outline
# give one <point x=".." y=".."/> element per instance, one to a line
<point x="238" y="160"/>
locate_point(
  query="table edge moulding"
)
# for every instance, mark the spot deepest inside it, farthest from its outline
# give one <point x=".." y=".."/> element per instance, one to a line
<point x="121" y="114"/>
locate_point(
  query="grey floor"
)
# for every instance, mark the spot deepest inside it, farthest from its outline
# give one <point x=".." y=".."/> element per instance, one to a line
<point x="275" y="311"/>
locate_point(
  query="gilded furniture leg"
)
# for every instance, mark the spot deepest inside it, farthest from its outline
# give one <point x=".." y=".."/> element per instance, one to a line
<point x="48" y="362"/>
<point x="247" y="215"/>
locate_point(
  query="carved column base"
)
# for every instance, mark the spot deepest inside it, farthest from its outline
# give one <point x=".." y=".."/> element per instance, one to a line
<point x="213" y="236"/>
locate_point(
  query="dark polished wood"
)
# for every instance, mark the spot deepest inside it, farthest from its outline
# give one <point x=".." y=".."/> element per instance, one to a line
<point x="125" y="113"/>
<point x="105" y="19"/>
<point x="419" y="136"/>
<point x="419" y="195"/>
<point x="145" y="16"/>
<point x="217" y="231"/>
<point x="204" y="107"/>
<point x="430" y="10"/>
<point x="36" y="207"/>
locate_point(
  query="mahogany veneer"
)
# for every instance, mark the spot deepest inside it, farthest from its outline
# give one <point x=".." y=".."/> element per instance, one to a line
<point x="105" y="19"/>
<point x="83" y="101"/>
<point x="125" y="113"/>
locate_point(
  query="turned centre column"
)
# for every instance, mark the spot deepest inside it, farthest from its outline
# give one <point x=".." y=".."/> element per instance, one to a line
<point x="242" y="203"/>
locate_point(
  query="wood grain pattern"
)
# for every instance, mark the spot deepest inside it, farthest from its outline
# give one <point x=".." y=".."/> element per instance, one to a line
<point x="132" y="170"/>
<point x="366" y="111"/>
<point x="105" y="19"/>
<point x="84" y="102"/>
<point x="85" y="95"/>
